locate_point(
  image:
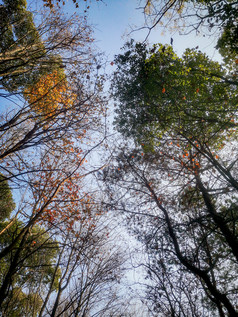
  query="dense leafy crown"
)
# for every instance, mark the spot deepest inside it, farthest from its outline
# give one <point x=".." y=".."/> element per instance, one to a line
<point x="158" y="92"/>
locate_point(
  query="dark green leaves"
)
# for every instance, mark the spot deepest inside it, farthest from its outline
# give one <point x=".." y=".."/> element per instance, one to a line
<point x="6" y="201"/>
<point x="157" y="92"/>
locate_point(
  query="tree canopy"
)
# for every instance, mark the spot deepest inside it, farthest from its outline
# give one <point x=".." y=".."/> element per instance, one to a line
<point x="160" y="93"/>
<point x="55" y="253"/>
<point x="176" y="180"/>
<point x="169" y="172"/>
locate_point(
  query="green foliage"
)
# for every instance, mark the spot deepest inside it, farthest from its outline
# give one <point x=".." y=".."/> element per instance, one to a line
<point x="39" y="252"/>
<point x="22" y="304"/>
<point x="182" y="111"/>
<point x="227" y="44"/>
<point x="23" y="56"/>
<point x="159" y="93"/>
<point x="6" y="201"/>
<point x="35" y="267"/>
<point x="225" y="15"/>
<point x="17" y="25"/>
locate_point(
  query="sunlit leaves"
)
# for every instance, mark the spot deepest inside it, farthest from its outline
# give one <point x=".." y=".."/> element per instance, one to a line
<point x="49" y="94"/>
<point x="54" y="121"/>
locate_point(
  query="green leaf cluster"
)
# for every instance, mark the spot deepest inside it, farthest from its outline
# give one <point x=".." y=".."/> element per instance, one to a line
<point x="158" y="92"/>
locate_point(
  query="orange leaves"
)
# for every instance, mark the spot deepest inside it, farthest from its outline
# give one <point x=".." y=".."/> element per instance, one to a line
<point x="197" y="164"/>
<point x="70" y="207"/>
<point x="49" y="94"/>
<point x="163" y="90"/>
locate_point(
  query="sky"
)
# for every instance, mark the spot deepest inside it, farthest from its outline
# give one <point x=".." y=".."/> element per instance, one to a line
<point x="114" y="20"/>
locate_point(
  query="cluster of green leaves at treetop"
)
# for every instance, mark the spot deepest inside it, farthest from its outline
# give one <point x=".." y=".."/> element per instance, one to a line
<point x="159" y="92"/>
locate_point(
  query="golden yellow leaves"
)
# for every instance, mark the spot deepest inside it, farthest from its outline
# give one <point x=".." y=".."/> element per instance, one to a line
<point x="148" y="8"/>
<point x="51" y="94"/>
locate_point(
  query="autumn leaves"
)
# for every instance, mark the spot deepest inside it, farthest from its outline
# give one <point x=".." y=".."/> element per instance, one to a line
<point x="49" y="94"/>
<point x="54" y="105"/>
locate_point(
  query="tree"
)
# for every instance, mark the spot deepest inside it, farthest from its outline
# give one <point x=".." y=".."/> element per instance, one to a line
<point x="6" y="201"/>
<point x="52" y="124"/>
<point x="160" y="93"/>
<point x="24" y="275"/>
<point x="23" y="55"/>
<point x="90" y="274"/>
<point x="180" y="180"/>
<point x="77" y="274"/>
<point x="65" y="44"/>
<point x="183" y="234"/>
<point x="49" y="93"/>
<point x="201" y="16"/>
<point x="36" y="250"/>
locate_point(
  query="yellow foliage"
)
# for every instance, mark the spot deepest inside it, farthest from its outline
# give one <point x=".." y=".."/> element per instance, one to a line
<point x="50" y="94"/>
<point x="148" y="8"/>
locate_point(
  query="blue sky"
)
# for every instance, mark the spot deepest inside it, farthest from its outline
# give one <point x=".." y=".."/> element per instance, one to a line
<point x="113" y="20"/>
